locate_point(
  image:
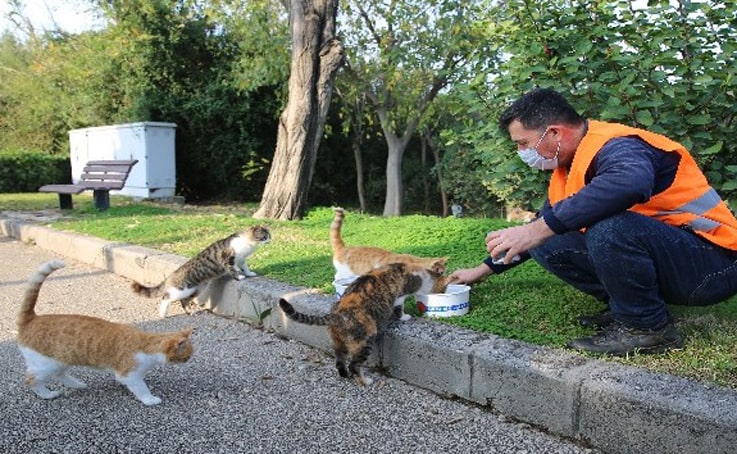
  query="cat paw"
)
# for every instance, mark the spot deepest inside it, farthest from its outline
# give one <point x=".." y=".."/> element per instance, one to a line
<point x="73" y="382"/>
<point x="45" y="393"/>
<point x="362" y="380"/>
<point x="190" y="307"/>
<point x="405" y="317"/>
<point x="151" y="400"/>
<point x="240" y="277"/>
<point x="163" y="309"/>
<point x="251" y="274"/>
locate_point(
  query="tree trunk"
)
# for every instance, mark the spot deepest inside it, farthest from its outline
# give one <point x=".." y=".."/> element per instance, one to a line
<point x="394" y="202"/>
<point x="425" y="179"/>
<point x="359" y="171"/>
<point x="355" y="119"/>
<point x="441" y="183"/>
<point x="316" y="56"/>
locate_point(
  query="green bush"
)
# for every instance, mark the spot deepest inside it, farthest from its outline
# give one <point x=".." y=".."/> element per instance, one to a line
<point x="26" y="171"/>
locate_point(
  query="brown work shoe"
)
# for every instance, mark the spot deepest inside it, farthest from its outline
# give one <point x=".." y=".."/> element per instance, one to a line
<point x="618" y="339"/>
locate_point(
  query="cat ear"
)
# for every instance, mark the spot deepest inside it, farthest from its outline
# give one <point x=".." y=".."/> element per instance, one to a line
<point x="439" y="265"/>
<point x="183" y="345"/>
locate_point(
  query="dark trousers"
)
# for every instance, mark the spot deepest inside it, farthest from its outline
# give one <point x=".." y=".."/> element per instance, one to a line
<point x="637" y="265"/>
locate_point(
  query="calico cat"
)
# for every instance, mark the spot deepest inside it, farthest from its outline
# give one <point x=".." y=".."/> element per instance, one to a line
<point x="225" y="256"/>
<point x="365" y="309"/>
<point x="357" y="260"/>
<point x="51" y="343"/>
<point x="350" y="262"/>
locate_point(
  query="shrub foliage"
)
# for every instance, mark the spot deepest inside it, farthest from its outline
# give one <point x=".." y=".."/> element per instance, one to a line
<point x="26" y="171"/>
<point x="218" y="69"/>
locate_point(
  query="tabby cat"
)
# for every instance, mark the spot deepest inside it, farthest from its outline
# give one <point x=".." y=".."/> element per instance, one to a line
<point x="50" y="344"/>
<point x="225" y="256"/>
<point x="365" y="309"/>
<point x="357" y="260"/>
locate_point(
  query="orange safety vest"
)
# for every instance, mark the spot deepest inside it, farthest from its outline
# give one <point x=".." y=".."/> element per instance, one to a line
<point x="688" y="201"/>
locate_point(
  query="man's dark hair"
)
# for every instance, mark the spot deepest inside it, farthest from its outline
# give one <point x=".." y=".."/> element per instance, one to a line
<point x="539" y="108"/>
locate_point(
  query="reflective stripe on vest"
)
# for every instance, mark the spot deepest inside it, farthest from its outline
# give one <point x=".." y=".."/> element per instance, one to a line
<point x="706" y="202"/>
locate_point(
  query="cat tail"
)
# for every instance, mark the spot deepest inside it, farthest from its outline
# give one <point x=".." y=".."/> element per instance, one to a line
<point x="148" y="292"/>
<point x="33" y="288"/>
<point x="299" y="317"/>
<point x="336" y="240"/>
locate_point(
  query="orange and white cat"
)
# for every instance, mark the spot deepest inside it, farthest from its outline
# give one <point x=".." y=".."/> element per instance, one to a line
<point x="517" y="214"/>
<point x="351" y="262"/>
<point x="51" y="343"/>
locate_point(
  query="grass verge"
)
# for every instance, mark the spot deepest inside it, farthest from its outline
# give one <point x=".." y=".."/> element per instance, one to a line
<point x="525" y="303"/>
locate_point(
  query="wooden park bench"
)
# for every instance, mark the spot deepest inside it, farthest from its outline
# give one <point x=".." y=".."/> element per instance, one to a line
<point x="100" y="177"/>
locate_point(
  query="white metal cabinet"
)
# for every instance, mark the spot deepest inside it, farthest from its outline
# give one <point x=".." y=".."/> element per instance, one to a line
<point x="152" y="143"/>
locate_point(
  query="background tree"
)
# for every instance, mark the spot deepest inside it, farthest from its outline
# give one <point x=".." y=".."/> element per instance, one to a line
<point x="182" y="62"/>
<point x="210" y="67"/>
<point x="669" y="67"/>
<point x="355" y="122"/>
<point x="402" y="54"/>
<point x="50" y="83"/>
<point x="316" y="56"/>
<point x="218" y="69"/>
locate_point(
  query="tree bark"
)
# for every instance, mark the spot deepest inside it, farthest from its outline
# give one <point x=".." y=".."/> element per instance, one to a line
<point x="423" y="169"/>
<point x="394" y="202"/>
<point x="316" y="56"/>
<point x="358" y="156"/>
<point x="428" y="136"/>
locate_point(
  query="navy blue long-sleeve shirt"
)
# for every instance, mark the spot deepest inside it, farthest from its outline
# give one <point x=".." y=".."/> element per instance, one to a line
<point x="626" y="171"/>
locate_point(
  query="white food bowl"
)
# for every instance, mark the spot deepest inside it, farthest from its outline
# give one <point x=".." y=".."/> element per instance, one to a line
<point x="341" y="284"/>
<point x="449" y="304"/>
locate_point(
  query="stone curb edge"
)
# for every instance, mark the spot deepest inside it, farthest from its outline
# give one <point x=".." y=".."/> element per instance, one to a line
<point x="615" y="408"/>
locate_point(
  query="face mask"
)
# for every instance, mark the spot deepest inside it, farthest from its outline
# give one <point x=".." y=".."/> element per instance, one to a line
<point x="532" y="158"/>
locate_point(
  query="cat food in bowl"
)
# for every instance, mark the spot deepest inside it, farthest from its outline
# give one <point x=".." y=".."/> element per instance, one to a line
<point x="449" y="304"/>
<point x="341" y="284"/>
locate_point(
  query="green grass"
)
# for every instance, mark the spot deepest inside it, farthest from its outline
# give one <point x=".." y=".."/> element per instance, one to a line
<point x="525" y="303"/>
<point x="31" y="201"/>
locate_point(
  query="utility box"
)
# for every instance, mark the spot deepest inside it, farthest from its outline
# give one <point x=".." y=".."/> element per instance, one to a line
<point x="152" y="143"/>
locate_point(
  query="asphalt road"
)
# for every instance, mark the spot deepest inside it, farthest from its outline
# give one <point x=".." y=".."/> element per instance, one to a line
<point x="244" y="390"/>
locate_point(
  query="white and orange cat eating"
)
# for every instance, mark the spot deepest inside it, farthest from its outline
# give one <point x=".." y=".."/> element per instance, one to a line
<point x="51" y="343"/>
<point x="355" y="261"/>
<point x="351" y="262"/>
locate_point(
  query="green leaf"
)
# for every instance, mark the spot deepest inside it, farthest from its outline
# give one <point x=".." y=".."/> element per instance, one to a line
<point x="699" y="119"/>
<point x="730" y="185"/>
<point x="712" y="150"/>
<point x="644" y="117"/>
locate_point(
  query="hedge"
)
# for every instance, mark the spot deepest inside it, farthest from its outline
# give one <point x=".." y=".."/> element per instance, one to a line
<point x="26" y="171"/>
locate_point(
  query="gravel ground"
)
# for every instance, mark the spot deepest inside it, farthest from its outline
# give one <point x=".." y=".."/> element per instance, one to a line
<point x="244" y="390"/>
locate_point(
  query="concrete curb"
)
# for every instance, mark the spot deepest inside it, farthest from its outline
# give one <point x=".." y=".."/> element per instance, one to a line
<point x="611" y="407"/>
